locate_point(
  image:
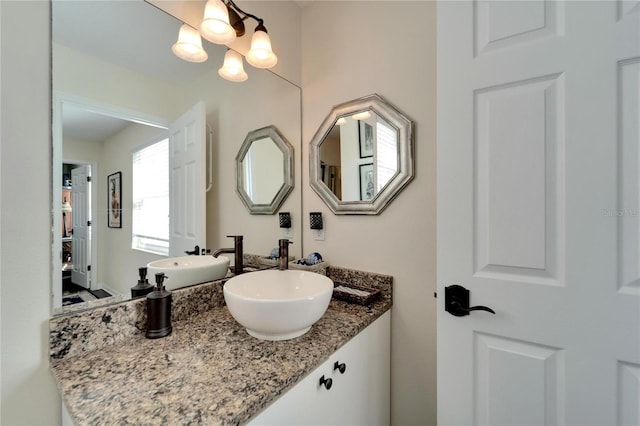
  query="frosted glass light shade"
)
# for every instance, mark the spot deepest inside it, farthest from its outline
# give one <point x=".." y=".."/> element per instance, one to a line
<point x="215" y="25"/>
<point x="233" y="69"/>
<point x="261" y="55"/>
<point x="189" y="45"/>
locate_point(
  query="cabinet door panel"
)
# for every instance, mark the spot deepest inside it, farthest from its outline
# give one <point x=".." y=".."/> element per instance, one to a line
<point x="360" y="396"/>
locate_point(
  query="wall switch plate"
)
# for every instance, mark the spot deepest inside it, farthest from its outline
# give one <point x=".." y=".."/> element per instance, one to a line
<point x="318" y="234"/>
<point x="284" y="219"/>
<point x="315" y="220"/>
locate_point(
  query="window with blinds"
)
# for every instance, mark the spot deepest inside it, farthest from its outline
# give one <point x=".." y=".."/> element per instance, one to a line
<point x="150" y="208"/>
<point x="386" y="154"/>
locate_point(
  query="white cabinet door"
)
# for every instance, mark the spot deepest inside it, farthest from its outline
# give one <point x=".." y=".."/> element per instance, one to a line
<point x="359" y="396"/>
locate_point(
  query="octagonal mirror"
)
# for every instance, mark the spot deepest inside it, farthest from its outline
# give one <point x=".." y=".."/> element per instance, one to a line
<point x="264" y="170"/>
<point x="361" y="157"/>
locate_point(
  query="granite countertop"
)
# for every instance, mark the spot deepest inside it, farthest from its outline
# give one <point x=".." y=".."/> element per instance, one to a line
<point x="208" y="371"/>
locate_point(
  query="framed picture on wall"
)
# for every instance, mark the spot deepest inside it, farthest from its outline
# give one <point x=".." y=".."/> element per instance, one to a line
<point x="367" y="184"/>
<point x="114" y="200"/>
<point x="365" y="131"/>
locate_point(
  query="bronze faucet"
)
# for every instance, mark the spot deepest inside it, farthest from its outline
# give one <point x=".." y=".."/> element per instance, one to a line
<point x="238" y="252"/>
<point x="283" y="260"/>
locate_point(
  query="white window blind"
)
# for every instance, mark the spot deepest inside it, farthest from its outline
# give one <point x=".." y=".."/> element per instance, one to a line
<point x="386" y="153"/>
<point x="150" y="210"/>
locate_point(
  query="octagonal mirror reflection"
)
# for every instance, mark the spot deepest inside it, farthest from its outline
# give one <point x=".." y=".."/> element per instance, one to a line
<point x="264" y="170"/>
<point x="362" y="156"/>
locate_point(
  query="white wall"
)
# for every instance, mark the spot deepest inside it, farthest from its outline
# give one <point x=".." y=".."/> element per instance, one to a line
<point x="81" y="151"/>
<point x="263" y="165"/>
<point x="350" y="160"/>
<point x="261" y="101"/>
<point x="28" y="393"/>
<point x="76" y="74"/>
<point x="118" y="262"/>
<point x="351" y="49"/>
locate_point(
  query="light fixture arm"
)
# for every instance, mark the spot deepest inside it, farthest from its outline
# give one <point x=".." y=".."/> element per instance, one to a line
<point x="260" y="21"/>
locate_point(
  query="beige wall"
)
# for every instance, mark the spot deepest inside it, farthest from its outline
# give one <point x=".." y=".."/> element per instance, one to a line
<point x="118" y="262"/>
<point x="352" y="49"/>
<point x="28" y="392"/>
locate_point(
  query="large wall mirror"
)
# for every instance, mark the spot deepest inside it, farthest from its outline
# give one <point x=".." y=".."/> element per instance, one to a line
<point x="362" y="156"/>
<point x="264" y="170"/>
<point x="116" y="88"/>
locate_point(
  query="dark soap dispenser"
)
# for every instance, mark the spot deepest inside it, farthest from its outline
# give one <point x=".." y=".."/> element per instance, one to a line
<point x="158" y="310"/>
<point x="143" y="287"/>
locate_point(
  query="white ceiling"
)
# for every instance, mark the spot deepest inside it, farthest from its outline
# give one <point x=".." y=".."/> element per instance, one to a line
<point x="82" y="125"/>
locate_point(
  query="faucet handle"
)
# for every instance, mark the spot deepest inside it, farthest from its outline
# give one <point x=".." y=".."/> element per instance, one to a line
<point x="196" y="251"/>
<point x="236" y="238"/>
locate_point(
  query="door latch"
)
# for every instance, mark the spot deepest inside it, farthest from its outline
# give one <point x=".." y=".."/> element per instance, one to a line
<point x="456" y="301"/>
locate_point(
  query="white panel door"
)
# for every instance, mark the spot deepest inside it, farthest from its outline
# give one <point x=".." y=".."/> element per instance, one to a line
<point x="187" y="181"/>
<point x="81" y="238"/>
<point x="539" y="212"/>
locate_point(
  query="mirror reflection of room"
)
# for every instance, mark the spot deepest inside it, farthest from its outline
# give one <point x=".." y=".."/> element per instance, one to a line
<point x="264" y="170"/>
<point x="99" y="75"/>
<point x="359" y="156"/>
<point x="76" y="235"/>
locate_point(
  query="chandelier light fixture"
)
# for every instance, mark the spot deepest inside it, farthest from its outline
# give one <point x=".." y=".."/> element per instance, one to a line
<point x="222" y="22"/>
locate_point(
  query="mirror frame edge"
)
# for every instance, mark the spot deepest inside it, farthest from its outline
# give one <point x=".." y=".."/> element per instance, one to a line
<point x="283" y="144"/>
<point x="405" y="174"/>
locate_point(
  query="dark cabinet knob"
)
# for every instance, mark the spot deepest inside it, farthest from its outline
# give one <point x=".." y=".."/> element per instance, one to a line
<point x="327" y="383"/>
<point x="341" y="367"/>
<point x="456" y="301"/>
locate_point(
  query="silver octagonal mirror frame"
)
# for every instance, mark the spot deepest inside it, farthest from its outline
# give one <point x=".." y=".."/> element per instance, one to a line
<point x="405" y="173"/>
<point x="287" y="170"/>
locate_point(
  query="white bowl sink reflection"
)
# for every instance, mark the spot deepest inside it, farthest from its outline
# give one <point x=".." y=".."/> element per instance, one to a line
<point x="183" y="271"/>
<point x="278" y="305"/>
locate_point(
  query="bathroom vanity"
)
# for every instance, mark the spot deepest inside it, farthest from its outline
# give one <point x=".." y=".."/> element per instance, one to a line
<point x="350" y="388"/>
<point x="210" y="371"/>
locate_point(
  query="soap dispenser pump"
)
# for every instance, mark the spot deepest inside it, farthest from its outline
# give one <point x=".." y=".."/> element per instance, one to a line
<point x="159" y="310"/>
<point x="143" y="287"/>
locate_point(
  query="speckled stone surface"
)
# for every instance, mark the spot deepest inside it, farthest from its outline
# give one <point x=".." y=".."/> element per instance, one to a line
<point x="91" y="304"/>
<point x="208" y="371"/>
<point x="89" y="330"/>
<point x="384" y="283"/>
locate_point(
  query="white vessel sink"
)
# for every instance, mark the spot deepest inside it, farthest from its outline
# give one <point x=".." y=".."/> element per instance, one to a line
<point x="188" y="270"/>
<point x="278" y="305"/>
